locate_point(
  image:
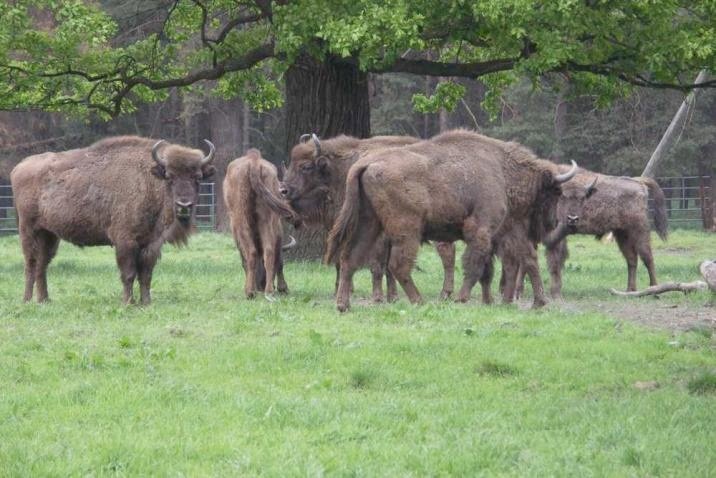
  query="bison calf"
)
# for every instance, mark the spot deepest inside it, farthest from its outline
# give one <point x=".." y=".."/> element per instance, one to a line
<point x="132" y="193"/>
<point x="251" y="195"/>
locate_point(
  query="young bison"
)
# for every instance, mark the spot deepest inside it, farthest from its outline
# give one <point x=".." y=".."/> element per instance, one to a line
<point x="255" y="210"/>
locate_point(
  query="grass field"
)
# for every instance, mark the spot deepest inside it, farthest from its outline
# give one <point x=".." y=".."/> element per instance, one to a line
<point x="206" y="383"/>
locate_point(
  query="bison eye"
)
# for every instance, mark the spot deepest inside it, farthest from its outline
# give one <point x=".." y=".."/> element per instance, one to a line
<point x="307" y="168"/>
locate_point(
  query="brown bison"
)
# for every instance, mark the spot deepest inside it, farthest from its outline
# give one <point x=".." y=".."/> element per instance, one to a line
<point x="128" y="192"/>
<point x="251" y="195"/>
<point x="597" y="204"/>
<point x="458" y="185"/>
<point x="315" y="185"/>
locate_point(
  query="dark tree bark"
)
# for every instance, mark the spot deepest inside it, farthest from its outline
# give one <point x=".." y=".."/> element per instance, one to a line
<point x="327" y="98"/>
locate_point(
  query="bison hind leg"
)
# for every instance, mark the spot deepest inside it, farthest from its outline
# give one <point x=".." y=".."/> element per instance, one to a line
<point x="47" y="244"/>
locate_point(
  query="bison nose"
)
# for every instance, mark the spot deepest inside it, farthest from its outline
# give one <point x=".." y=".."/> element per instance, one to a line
<point x="181" y="203"/>
<point x="283" y="189"/>
<point x="572" y="220"/>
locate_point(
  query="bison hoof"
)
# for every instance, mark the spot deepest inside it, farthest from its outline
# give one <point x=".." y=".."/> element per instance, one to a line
<point x="445" y="294"/>
<point x="463" y="298"/>
<point x="342" y="307"/>
<point x="250" y="295"/>
<point x="377" y="299"/>
<point x="539" y="303"/>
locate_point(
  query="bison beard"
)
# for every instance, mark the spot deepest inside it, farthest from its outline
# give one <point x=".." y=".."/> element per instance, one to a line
<point x="251" y="194"/>
<point x="462" y="184"/>
<point x="123" y="191"/>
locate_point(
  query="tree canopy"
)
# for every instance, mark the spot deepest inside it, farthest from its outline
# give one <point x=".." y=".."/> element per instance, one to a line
<point x="79" y="56"/>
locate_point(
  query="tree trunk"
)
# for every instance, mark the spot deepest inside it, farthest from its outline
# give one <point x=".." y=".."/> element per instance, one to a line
<point x="327" y="98"/>
<point x="672" y="131"/>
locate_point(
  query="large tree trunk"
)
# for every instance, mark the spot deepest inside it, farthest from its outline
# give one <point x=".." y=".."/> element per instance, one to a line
<point x="327" y="98"/>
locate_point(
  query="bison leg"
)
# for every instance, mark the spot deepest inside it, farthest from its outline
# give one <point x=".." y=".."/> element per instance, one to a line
<point x="446" y="251"/>
<point x="475" y="258"/>
<point x="145" y="265"/>
<point x="47" y="244"/>
<point x="644" y="249"/>
<point x="531" y="267"/>
<point x="28" y="242"/>
<point x="402" y="257"/>
<point x="556" y="257"/>
<point x="486" y="281"/>
<point x="378" y="269"/>
<point x="626" y="246"/>
<point x="127" y="259"/>
<point x="352" y="257"/>
<point x="269" y="258"/>
<point x="391" y="285"/>
<point x="282" y="287"/>
<point x="249" y="258"/>
<point x="508" y="281"/>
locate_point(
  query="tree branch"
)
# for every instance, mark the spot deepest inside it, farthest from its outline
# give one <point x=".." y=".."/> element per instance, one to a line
<point x="435" y="68"/>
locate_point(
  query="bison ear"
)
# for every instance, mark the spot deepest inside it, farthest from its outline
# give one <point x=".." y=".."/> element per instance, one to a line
<point x="592" y="187"/>
<point x="322" y="164"/>
<point x="159" y="171"/>
<point x="207" y="171"/>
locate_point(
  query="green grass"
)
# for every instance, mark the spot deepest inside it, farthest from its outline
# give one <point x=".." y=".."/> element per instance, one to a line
<point x="206" y="383"/>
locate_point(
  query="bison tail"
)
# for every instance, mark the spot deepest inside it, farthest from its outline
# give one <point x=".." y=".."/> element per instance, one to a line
<point x="347" y="221"/>
<point x="660" y="219"/>
<point x="258" y="184"/>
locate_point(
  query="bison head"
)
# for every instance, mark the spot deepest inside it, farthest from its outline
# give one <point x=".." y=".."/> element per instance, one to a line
<point x="570" y="207"/>
<point x="306" y="182"/>
<point x="182" y="169"/>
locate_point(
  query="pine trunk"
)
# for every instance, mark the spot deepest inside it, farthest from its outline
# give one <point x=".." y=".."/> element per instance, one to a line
<point x="327" y="98"/>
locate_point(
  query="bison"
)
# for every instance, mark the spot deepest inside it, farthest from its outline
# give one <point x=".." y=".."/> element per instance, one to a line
<point x="132" y="193"/>
<point x="598" y="204"/>
<point x="458" y="185"/>
<point x="251" y="195"/>
<point x="315" y="186"/>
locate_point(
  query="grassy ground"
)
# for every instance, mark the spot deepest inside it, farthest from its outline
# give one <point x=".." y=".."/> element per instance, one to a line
<point x="204" y="382"/>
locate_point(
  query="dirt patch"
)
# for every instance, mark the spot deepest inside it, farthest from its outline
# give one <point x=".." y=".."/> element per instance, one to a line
<point x="658" y="313"/>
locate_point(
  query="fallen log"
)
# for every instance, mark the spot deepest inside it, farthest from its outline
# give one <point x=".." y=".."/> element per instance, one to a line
<point x="684" y="287"/>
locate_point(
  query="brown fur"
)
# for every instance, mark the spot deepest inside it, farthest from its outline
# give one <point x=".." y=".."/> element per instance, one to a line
<point x="617" y="204"/>
<point x="251" y="195"/>
<point x="458" y="185"/>
<point x="316" y="188"/>
<point x="109" y="193"/>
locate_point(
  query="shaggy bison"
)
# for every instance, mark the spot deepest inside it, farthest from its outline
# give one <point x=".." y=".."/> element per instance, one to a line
<point x="315" y="185"/>
<point x="458" y="185"/>
<point x="251" y="195"/>
<point x="129" y="192"/>
<point x="597" y="204"/>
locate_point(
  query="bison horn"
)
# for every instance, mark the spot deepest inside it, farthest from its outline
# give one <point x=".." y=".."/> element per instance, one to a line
<point x="304" y="137"/>
<point x="209" y="157"/>
<point x="291" y="243"/>
<point x="317" y="143"/>
<point x="563" y="178"/>
<point x="155" y="154"/>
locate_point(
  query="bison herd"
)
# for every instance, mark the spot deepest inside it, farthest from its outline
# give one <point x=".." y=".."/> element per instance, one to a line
<point x="378" y="199"/>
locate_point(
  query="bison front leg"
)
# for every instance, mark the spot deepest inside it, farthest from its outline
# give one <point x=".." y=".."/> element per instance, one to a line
<point x="476" y="256"/>
<point x="127" y="256"/>
<point x="446" y="251"/>
<point x="531" y="267"/>
<point x="556" y="257"/>
<point x="147" y="261"/>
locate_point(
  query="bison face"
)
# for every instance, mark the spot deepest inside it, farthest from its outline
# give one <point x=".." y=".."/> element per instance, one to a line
<point x="306" y="184"/>
<point x="182" y="169"/>
<point x="570" y="207"/>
